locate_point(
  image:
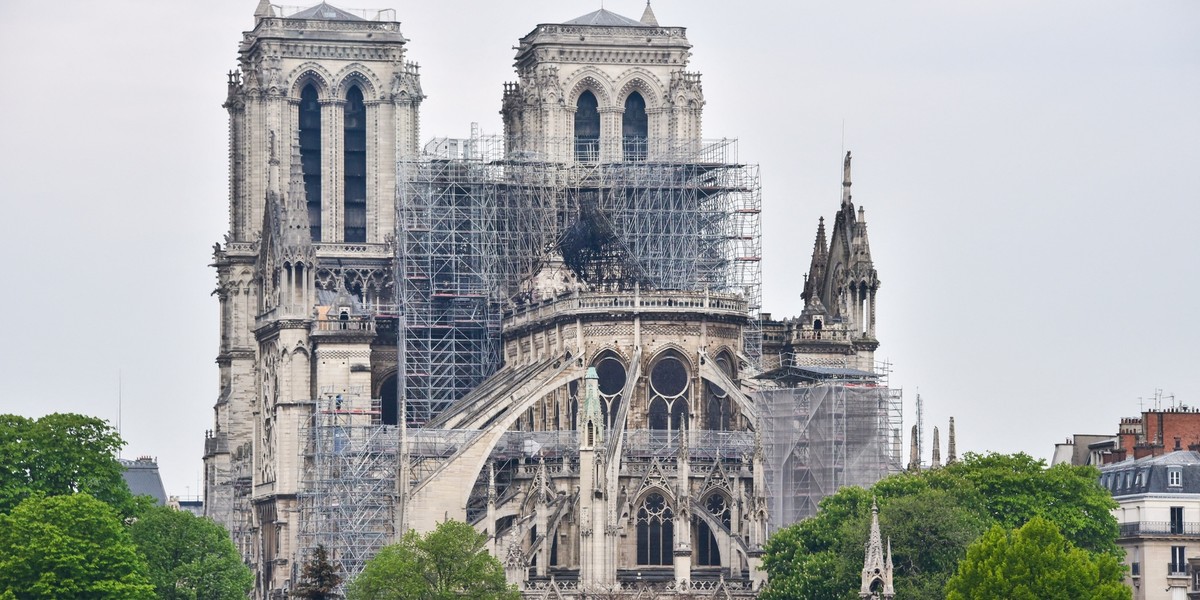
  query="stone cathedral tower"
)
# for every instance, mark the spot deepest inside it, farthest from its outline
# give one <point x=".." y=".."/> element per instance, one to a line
<point x="604" y="87"/>
<point x="322" y="106"/>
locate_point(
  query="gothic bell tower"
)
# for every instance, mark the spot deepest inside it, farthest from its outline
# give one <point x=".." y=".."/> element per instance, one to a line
<point x="603" y="88"/>
<point x="321" y="108"/>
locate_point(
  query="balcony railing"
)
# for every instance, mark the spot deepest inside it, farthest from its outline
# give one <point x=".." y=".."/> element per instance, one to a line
<point x="1146" y="528"/>
<point x="609" y="303"/>
<point x="1177" y="570"/>
<point x="339" y="325"/>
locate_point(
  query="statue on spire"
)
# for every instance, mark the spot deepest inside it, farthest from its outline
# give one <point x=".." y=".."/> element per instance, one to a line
<point x="846" y="179"/>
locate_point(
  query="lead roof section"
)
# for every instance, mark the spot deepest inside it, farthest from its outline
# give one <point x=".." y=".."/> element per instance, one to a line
<point x="323" y="22"/>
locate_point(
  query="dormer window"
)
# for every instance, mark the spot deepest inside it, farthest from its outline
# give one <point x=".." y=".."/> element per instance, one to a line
<point x="1175" y="477"/>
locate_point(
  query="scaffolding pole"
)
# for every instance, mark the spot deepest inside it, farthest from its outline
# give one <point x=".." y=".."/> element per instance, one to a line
<point x="349" y="491"/>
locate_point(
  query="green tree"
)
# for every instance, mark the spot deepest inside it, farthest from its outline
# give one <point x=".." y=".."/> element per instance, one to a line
<point x="319" y="579"/>
<point x="931" y="518"/>
<point x="449" y="562"/>
<point x="1015" y="488"/>
<point x="821" y="558"/>
<point x="1035" y="562"/>
<point x="189" y="557"/>
<point x="69" y="547"/>
<point x="61" y="454"/>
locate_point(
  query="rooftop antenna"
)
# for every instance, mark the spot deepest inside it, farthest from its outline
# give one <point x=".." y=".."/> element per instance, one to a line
<point x="843" y="152"/>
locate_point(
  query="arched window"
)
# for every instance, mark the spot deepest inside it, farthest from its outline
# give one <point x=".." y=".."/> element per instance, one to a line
<point x="708" y="554"/>
<point x="719" y="408"/>
<point x="573" y="390"/>
<point x="655" y="531"/>
<point x="389" y="405"/>
<point x="610" y="373"/>
<point x="310" y="156"/>
<point x="669" y="380"/>
<point x="355" y="167"/>
<point x="587" y="128"/>
<point x="635" y="127"/>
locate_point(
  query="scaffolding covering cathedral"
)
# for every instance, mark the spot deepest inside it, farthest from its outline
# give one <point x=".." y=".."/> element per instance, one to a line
<point x="555" y="334"/>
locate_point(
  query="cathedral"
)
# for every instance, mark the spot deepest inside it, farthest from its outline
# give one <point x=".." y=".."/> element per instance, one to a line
<point x="554" y="334"/>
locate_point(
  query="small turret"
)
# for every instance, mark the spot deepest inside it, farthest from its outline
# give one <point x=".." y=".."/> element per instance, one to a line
<point x="648" y="16"/>
<point x="815" y="279"/>
<point x="914" y="456"/>
<point x="951" y="453"/>
<point x="877" y="567"/>
<point x="936" y="461"/>
<point x="591" y="420"/>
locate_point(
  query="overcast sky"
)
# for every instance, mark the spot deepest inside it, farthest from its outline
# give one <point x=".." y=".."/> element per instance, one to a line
<point x="1030" y="171"/>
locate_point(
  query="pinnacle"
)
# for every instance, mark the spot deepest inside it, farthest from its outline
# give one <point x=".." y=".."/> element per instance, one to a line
<point x="648" y="17"/>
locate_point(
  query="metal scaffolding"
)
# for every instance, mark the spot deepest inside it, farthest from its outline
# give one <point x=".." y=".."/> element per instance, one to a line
<point x="478" y="221"/>
<point x="819" y="438"/>
<point x="349" y="492"/>
<point x="449" y="330"/>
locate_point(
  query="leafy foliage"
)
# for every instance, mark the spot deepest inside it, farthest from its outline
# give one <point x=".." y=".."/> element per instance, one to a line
<point x="932" y="518"/>
<point x="320" y="578"/>
<point x="69" y="547"/>
<point x="1035" y="562"/>
<point x="189" y="558"/>
<point x="61" y="454"/>
<point x="449" y="562"/>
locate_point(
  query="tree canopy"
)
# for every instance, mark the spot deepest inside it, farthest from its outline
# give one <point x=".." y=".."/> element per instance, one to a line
<point x="189" y="557"/>
<point x="449" y="562"/>
<point x="1035" y="562"/>
<point x="69" y="547"/>
<point x="61" y="454"/>
<point x="931" y="518"/>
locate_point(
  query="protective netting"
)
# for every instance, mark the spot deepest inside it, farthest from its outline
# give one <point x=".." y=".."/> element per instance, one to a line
<point x="819" y="438"/>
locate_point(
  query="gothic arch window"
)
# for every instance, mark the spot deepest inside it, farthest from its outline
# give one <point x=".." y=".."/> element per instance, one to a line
<point x="718" y="411"/>
<point x="587" y="128"/>
<point x="310" y="156"/>
<point x="635" y="127"/>
<point x="389" y="402"/>
<point x="655" y="531"/>
<point x="708" y="553"/>
<point x="669" y="384"/>
<point x="610" y="373"/>
<point x="355" y="166"/>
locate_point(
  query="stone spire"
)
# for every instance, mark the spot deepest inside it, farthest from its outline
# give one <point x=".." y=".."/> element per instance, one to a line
<point x="263" y="10"/>
<point x="648" y="16"/>
<point x="815" y="280"/>
<point x="936" y="462"/>
<point x="951" y="453"/>
<point x="877" y="567"/>
<point x="296" y="233"/>
<point x="914" y="457"/>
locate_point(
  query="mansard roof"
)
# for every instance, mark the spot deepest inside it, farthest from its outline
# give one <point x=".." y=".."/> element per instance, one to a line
<point x="606" y="18"/>
<point x="326" y="12"/>
<point x="1122" y="478"/>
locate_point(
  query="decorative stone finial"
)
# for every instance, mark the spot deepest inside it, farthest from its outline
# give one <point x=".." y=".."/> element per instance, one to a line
<point x="936" y="462"/>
